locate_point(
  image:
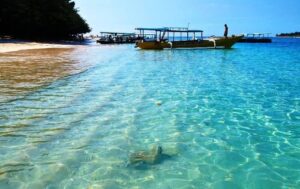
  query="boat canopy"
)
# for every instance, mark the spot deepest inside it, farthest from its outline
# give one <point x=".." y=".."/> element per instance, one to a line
<point x="164" y="33"/>
<point x="170" y="29"/>
<point x="258" y="34"/>
<point x="117" y="33"/>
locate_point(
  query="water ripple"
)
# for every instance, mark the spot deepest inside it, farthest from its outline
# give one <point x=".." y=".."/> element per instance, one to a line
<point x="226" y="119"/>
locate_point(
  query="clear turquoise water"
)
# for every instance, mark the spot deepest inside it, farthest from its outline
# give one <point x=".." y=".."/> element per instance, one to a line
<point x="227" y="119"/>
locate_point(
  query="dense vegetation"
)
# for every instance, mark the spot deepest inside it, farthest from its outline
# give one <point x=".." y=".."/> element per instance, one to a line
<point x="40" y="19"/>
<point x="295" y="34"/>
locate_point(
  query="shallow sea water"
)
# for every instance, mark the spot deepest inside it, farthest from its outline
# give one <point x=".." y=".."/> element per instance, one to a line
<point x="224" y="119"/>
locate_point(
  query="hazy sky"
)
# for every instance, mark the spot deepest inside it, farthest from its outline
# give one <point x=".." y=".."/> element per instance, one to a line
<point x="242" y="16"/>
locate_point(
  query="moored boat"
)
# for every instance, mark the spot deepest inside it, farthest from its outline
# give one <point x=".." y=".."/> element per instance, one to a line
<point x="182" y="38"/>
<point x="117" y="38"/>
<point x="256" y="38"/>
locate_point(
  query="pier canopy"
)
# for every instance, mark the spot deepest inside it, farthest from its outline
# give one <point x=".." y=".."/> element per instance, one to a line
<point x="167" y="33"/>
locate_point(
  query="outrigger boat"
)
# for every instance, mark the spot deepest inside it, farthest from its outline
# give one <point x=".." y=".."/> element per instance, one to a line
<point x="117" y="38"/>
<point x="256" y="38"/>
<point x="168" y="37"/>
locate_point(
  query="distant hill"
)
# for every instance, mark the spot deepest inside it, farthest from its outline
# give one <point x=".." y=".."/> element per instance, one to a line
<point x="295" y="34"/>
<point x="41" y="19"/>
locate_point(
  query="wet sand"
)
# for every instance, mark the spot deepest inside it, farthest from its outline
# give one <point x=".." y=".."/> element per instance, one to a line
<point x="24" y="71"/>
<point x="17" y="46"/>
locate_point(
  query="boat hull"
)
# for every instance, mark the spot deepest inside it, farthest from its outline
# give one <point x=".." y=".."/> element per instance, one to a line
<point x="209" y="43"/>
<point x="154" y="45"/>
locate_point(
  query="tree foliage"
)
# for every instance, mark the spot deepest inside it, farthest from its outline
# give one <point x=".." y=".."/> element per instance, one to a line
<point x="295" y="34"/>
<point x="41" y="19"/>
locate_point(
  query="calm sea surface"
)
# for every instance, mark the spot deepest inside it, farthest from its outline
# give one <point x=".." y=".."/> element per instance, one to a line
<point x="224" y="118"/>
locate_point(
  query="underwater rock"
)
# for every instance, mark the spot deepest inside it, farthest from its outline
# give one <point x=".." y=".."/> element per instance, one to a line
<point x="151" y="157"/>
<point x="158" y="103"/>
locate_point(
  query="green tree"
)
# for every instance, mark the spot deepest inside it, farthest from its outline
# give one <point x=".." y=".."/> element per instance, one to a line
<point x="41" y="19"/>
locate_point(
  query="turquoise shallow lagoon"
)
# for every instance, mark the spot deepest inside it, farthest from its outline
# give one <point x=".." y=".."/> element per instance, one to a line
<point x="226" y="119"/>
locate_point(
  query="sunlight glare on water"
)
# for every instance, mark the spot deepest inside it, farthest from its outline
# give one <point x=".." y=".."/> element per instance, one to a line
<point x="224" y="118"/>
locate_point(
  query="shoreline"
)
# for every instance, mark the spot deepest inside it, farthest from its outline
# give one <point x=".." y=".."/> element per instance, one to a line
<point x="10" y="45"/>
<point x="19" y="46"/>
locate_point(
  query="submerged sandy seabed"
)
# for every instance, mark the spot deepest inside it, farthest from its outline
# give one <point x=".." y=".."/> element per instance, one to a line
<point x="17" y="46"/>
<point x="25" y="67"/>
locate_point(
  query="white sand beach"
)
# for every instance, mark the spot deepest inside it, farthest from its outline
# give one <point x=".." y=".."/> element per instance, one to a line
<point x="17" y="46"/>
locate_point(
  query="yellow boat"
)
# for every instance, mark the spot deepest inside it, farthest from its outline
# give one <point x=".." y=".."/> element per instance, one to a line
<point x="167" y="37"/>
